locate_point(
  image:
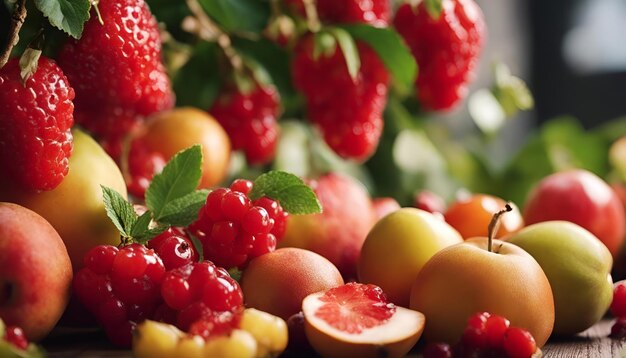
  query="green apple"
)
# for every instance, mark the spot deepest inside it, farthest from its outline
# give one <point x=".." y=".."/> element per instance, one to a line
<point x="75" y="208"/>
<point x="398" y="246"/>
<point x="578" y="266"/>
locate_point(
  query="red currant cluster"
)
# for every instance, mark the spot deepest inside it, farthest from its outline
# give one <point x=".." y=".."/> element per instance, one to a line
<point x="487" y="335"/>
<point x="202" y="299"/>
<point x="143" y="164"/>
<point x="618" y="309"/>
<point x="120" y="287"/>
<point x="233" y="229"/>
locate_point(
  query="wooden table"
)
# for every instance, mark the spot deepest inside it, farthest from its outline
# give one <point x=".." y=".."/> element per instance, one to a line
<point x="592" y="343"/>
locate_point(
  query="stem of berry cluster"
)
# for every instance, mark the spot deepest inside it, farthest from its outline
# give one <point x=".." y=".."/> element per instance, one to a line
<point x="209" y="31"/>
<point x="494" y="225"/>
<point x="312" y="18"/>
<point x="17" y="20"/>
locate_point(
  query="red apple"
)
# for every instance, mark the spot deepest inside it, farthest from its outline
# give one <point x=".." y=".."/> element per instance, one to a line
<point x="340" y="230"/>
<point x="583" y="198"/>
<point x="35" y="271"/>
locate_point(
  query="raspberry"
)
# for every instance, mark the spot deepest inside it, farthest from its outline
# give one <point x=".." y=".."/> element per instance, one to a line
<point x="116" y="70"/>
<point x="205" y="299"/>
<point x="142" y="166"/>
<point x="120" y="287"/>
<point x="519" y="343"/>
<point x="348" y="112"/>
<point x="15" y="336"/>
<point x="35" y="122"/>
<point x="234" y="230"/>
<point x="618" y="305"/>
<point x="174" y="248"/>
<point x="250" y="120"/>
<point x="446" y="49"/>
<point x="373" y="12"/>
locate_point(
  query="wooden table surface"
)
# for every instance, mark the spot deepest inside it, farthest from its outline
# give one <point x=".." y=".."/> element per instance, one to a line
<point x="592" y="343"/>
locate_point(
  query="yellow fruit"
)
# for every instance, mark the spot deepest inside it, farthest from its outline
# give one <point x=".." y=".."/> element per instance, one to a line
<point x="240" y="344"/>
<point x="397" y="248"/>
<point x="269" y="331"/>
<point x="155" y="340"/>
<point x="75" y="208"/>
<point x="190" y="347"/>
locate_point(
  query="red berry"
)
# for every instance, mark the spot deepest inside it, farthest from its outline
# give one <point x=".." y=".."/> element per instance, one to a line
<point x="35" y="122"/>
<point x="618" y="329"/>
<point x="474" y="336"/>
<point x="200" y="291"/>
<point x="348" y="112"/>
<point x="618" y="305"/>
<point x="438" y="350"/>
<point x="243" y="186"/>
<point x="278" y="216"/>
<point x="446" y="49"/>
<point x="495" y="326"/>
<point x="174" y="248"/>
<point x="234" y="230"/>
<point x="250" y="120"/>
<point x="373" y="12"/>
<point x="519" y="343"/>
<point x="15" y="336"/>
<point x="116" y="69"/>
<point x="121" y="287"/>
<point x="142" y="166"/>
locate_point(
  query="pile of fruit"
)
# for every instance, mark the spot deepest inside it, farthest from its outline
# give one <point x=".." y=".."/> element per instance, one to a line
<point x="142" y="198"/>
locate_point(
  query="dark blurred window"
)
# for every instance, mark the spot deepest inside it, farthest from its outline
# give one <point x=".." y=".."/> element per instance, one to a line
<point x="579" y="59"/>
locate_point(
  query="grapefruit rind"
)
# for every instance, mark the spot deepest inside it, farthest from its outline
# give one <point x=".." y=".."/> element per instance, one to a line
<point x="395" y="337"/>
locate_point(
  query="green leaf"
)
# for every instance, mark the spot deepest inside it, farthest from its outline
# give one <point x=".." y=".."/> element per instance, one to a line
<point x="510" y="91"/>
<point x="179" y="177"/>
<point x="120" y="211"/>
<point x="197" y="82"/>
<point x="289" y="190"/>
<point x="349" y="49"/>
<point x="238" y="15"/>
<point x="141" y="225"/>
<point x="183" y="211"/>
<point x="150" y="234"/>
<point x="392" y="50"/>
<point x="434" y="8"/>
<point x="66" y="15"/>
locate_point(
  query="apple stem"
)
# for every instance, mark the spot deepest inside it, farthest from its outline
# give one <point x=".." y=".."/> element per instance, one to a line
<point x="494" y="225"/>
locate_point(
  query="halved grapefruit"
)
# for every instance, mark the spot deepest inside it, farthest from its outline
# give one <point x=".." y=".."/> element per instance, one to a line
<point x="356" y="320"/>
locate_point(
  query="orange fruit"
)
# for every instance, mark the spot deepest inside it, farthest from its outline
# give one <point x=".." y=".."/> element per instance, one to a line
<point x="471" y="216"/>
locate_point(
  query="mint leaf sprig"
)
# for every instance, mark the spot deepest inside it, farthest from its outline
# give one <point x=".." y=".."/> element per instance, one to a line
<point x="172" y="198"/>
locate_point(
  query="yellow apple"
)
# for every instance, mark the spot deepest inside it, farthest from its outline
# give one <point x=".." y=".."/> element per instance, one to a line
<point x="398" y="246"/>
<point x="75" y="208"/>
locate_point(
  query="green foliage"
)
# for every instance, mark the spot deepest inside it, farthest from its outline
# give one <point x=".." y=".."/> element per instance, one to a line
<point x="292" y="193"/>
<point x="238" y="15"/>
<point x="66" y="15"/>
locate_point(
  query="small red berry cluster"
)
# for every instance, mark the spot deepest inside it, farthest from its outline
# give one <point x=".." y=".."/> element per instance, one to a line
<point x="487" y="335"/>
<point x="618" y="309"/>
<point x="234" y="229"/>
